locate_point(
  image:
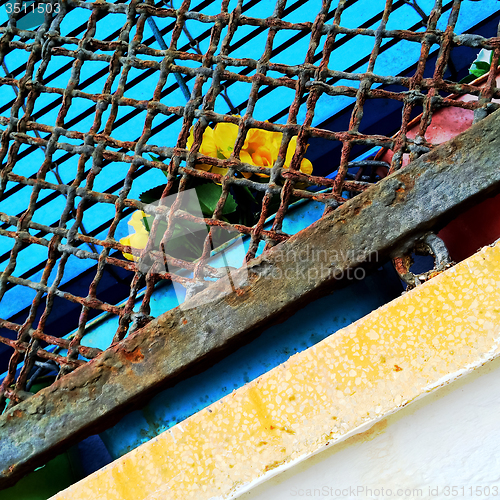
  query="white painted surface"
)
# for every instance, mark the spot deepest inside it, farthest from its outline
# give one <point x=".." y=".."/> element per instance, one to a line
<point x="450" y="438"/>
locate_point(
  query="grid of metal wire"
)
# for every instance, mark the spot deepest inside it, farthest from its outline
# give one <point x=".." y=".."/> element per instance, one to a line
<point x="209" y="75"/>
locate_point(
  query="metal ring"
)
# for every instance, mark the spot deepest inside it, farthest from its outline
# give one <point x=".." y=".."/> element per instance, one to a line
<point x="432" y="245"/>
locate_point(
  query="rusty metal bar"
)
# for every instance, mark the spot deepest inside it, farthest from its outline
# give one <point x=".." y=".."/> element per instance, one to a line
<point x="405" y="206"/>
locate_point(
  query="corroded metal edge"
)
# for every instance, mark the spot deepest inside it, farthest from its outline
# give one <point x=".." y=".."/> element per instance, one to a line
<point x="376" y="225"/>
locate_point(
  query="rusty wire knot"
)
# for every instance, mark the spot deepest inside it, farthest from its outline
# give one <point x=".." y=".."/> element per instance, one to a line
<point x="430" y="244"/>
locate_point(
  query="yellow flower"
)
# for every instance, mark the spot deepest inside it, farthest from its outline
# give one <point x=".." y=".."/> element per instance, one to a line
<point x="207" y="148"/>
<point x="139" y="239"/>
<point x="261" y="148"/>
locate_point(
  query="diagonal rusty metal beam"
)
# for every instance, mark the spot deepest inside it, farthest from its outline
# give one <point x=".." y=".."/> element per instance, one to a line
<point x="381" y="222"/>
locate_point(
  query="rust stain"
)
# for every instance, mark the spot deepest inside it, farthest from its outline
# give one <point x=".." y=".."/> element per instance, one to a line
<point x="366" y="203"/>
<point x="238" y="296"/>
<point x="15" y="414"/>
<point x="397" y="368"/>
<point x="408" y="183"/>
<point x="402" y="264"/>
<point x="134" y="356"/>
<point x="274" y="464"/>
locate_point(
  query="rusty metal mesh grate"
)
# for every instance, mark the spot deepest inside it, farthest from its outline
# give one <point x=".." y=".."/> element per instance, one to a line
<point x="122" y="62"/>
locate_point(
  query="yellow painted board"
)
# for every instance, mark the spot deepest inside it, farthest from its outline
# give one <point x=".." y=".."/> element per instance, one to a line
<point x="419" y="341"/>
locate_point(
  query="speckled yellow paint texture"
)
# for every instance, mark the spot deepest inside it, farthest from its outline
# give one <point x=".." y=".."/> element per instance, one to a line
<point x="417" y="342"/>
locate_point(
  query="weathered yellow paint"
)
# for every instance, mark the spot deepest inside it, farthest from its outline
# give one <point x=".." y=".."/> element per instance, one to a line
<point x="438" y="331"/>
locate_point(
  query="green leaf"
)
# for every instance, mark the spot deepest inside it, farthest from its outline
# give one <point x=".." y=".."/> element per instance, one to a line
<point x="146" y="223"/>
<point x="221" y="236"/>
<point x="160" y="231"/>
<point x="248" y="194"/>
<point x="186" y="241"/>
<point x="476" y="72"/>
<point x="152" y="195"/>
<point x="469" y="78"/>
<point x="482" y="65"/>
<point x="209" y="195"/>
<point x="156" y="159"/>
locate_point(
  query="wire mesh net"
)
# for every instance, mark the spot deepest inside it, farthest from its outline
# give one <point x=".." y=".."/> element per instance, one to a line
<point x="102" y="101"/>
